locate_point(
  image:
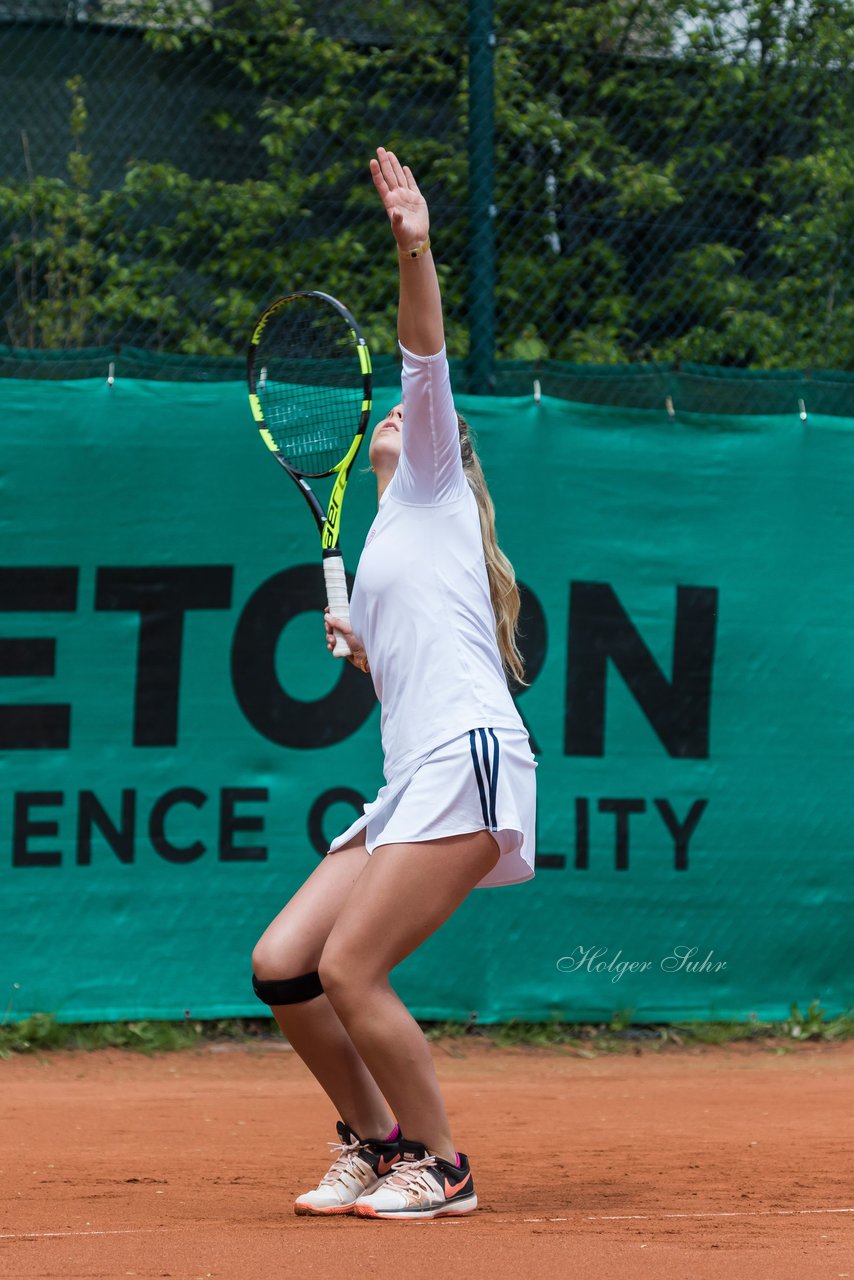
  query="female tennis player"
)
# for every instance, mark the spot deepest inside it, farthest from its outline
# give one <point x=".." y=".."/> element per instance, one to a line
<point x="432" y="620"/>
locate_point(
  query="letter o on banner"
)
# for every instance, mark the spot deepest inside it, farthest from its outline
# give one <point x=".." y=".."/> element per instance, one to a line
<point x="320" y="808"/>
<point x="283" y="719"/>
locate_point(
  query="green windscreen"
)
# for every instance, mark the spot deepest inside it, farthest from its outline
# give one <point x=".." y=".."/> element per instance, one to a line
<point x="178" y="746"/>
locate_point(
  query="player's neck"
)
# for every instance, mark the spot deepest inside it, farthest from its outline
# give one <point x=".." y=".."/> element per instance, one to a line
<point x="383" y="480"/>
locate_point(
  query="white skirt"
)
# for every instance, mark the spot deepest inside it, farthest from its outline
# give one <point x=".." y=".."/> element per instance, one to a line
<point x="484" y="780"/>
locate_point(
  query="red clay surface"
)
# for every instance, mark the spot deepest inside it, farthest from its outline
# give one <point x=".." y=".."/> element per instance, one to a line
<point x="734" y="1163"/>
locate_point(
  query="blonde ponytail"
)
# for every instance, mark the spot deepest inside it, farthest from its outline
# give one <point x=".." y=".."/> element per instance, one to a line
<point x="503" y="588"/>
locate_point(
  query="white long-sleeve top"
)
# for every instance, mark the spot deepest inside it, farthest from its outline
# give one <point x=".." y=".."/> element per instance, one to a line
<point x="420" y="602"/>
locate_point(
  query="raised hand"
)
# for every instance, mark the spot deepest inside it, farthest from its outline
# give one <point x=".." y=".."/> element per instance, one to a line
<point x="403" y="202"/>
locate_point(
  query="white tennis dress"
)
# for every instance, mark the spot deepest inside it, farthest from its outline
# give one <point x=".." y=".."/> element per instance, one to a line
<point x="456" y="753"/>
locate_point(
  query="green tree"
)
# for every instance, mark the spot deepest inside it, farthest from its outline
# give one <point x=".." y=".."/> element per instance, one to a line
<point x="672" y="181"/>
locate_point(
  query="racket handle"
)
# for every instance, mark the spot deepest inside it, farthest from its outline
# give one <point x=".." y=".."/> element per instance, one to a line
<point x="336" y="596"/>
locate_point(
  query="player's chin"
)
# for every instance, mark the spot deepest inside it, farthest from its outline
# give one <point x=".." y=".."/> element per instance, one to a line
<point x="388" y="439"/>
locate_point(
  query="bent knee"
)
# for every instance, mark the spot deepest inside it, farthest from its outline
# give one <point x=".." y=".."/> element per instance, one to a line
<point x="281" y="957"/>
<point x="346" y="977"/>
<point x="264" y="960"/>
<point x="336" y="974"/>
<point x="283" y="972"/>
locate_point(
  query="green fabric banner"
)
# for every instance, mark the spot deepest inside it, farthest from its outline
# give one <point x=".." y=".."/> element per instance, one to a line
<point x="177" y="745"/>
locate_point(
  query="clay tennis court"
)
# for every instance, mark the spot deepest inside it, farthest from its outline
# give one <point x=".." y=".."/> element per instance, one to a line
<point x="735" y="1162"/>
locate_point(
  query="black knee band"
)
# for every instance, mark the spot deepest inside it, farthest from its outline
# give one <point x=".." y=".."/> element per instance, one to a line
<point x="288" y="990"/>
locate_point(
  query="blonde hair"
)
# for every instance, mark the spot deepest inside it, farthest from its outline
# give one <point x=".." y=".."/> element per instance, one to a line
<point x="503" y="589"/>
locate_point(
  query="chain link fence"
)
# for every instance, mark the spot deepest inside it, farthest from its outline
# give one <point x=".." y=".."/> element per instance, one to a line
<point x="618" y="183"/>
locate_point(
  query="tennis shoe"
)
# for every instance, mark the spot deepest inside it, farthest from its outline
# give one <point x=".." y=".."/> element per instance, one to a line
<point x="421" y="1186"/>
<point x="358" y="1168"/>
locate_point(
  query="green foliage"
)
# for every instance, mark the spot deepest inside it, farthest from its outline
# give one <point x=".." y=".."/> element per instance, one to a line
<point x="808" y="1025"/>
<point x="672" y="182"/>
<point x="42" y="1033"/>
<point x="55" y="265"/>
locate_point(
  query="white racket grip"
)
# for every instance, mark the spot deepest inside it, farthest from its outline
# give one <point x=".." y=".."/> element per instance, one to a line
<point x="337" y="598"/>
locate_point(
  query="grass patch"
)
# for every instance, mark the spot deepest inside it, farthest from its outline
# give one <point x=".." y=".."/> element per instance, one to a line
<point x="43" y="1033"/>
<point x="622" y="1035"/>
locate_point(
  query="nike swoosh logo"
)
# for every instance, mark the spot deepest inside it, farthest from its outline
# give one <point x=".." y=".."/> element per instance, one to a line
<point x="453" y="1190"/>
<point x="384" y="1166"/>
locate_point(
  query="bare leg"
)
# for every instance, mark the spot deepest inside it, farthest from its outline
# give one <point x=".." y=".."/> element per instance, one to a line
<point x="292" y="945"/>
<point x="404" y="894"/>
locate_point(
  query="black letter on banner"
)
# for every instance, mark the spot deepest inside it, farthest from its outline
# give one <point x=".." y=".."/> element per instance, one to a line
<point x="681" y="831"/>
<point x="161" y="597"/>
<point x="582" y="833"/>
<point x="622" y="809"/>
<point x="91" y="813"/>
<point x="24" y="827"/>
<point x="36" y="590"/>
<point x="678" y="710"/>
<point x="532" y="643"/>
<point x="268" y="708"/>
<point x="230" y="822"/>
<point x="157" y="823"/>
<point x="325" y="801"/>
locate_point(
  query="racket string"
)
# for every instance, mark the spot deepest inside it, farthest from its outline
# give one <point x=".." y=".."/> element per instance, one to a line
<point x="312" y="391"/>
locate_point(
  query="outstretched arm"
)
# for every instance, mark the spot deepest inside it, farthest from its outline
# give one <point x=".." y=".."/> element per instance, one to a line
<point x="419" y="318"/>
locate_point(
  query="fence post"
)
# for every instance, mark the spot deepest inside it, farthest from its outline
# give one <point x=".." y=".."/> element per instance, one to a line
<point x="481" y="121"/>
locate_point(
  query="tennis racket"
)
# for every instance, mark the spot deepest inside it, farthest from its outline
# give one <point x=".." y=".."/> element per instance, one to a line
<point x="309" y="375"/>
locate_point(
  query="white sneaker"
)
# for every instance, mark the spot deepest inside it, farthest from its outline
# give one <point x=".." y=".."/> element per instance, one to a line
<point x="421" y="1186"/>
<point x="358" y="1169"/>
